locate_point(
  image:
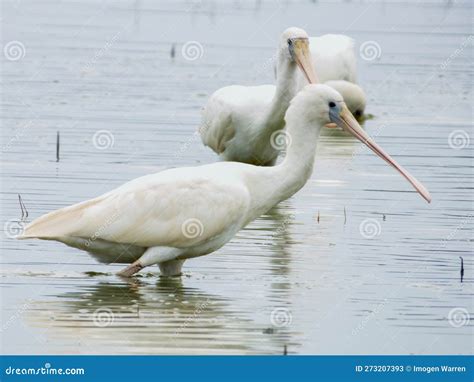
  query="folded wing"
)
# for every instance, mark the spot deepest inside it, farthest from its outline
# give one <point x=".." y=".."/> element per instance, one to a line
<point x="233" y="110"/>
<point x="178" y="207"/>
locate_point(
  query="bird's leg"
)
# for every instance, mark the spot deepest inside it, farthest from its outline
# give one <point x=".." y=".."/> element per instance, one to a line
<point x="131" y="269"/>
<point x="171" y="268"/>
<point x="156" y="255"/>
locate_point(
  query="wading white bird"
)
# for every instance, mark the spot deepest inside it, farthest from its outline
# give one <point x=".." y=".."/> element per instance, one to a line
<point x="335" y="63"/>
<point x="181" y="213"/>
<point x="238" y="121"/>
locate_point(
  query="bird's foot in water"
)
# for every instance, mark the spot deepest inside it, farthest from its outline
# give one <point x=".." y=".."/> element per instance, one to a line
<point x="171" y="268"/>
<point x="131" y="269"/>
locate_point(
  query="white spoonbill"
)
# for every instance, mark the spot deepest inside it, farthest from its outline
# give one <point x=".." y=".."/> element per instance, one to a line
<point x="238" y="121"/>
<point x="335" y="63"/>
<point x="181" y="213"/>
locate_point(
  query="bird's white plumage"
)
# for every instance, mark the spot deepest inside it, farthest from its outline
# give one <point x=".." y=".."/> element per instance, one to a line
<point x="235" y="124"/>
<point x="334" y="57"/>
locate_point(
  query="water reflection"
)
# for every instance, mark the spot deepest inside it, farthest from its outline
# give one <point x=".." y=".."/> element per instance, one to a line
<point x="139" y="317"/>
<point x="142" y="317"/>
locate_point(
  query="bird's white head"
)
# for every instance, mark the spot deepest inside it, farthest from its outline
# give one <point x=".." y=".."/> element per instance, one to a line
<point x="294" y="47"/>
<point x="318" y="105"/>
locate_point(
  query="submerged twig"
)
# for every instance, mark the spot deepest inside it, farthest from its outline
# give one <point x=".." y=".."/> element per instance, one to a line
<point x="57" y="146"/>
<point x="462" y="268"/>
<point x="173" y="51"/>
<point x="24" y="211"/>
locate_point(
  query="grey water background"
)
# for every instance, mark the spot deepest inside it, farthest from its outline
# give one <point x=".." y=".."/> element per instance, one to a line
<point x="355" y="263"/>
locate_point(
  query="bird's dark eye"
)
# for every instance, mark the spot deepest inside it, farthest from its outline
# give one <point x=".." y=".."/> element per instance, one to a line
<point x="332" y="104"/>
<point x="290" y="42"/>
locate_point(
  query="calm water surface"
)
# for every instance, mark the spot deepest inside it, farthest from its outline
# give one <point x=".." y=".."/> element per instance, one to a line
<point x="354" y="263"/>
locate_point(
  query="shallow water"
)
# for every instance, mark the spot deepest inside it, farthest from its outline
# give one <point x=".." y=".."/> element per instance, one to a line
<point x="355" y="263"/>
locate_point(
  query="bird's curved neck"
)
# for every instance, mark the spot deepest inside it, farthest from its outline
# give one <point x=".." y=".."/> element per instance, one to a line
<point x="282" y="181"/>
<point x="286" y="86"/>
<point x="297" y="166"/>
